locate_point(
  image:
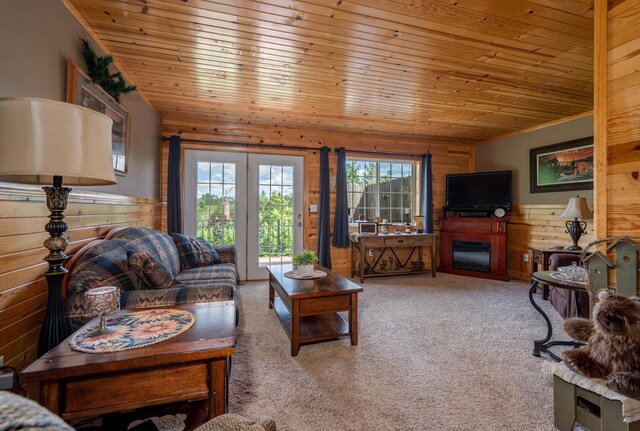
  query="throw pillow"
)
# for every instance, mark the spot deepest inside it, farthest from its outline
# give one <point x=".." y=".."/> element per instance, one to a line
<point x="151" y="273"/>
<point x="194" y="251"/>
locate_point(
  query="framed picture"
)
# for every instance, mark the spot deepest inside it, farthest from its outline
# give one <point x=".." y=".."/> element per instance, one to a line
<point x="82" y="91"/>
<point x="562" y="167"/>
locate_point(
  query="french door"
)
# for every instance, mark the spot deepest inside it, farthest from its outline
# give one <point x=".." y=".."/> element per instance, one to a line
<point x="252" y="201"/>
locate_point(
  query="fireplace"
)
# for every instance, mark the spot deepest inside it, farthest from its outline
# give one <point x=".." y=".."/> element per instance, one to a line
<point x="474" y="246"/>
<point x="472" y="255"/>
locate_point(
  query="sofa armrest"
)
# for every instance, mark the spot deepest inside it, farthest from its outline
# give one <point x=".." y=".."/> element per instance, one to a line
<point x="562" y="259"/>
<point x="227" y="253"/>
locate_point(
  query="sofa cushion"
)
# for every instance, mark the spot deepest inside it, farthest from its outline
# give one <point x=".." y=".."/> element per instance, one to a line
<point x="204" y="274"/>
<point x="194" y="252"/>
<point x="150" y="272"/>
<point x="155" y="242"/>
<point x="216" y="290"/>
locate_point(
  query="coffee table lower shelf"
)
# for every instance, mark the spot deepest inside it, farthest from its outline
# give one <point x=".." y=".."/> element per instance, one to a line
<point x="313" y="329"/>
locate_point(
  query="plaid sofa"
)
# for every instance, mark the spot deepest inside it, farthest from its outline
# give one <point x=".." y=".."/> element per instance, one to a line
<point x="105" y="264"/>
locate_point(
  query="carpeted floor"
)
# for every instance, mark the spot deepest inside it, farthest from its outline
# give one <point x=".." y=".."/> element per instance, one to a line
<point x="450" y="353"/>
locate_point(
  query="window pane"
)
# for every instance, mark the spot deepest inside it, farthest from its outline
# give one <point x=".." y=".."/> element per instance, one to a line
<point x="396" y="170"/>
<point x="203" y="172"/>
<point x="379" y="188"/>
<point x="216" y="172"/>
<point x="229" y="173"/>
<point x="385" y="169"/>
<point x="276" y="174"/>
<point x="287" y="175"/>
<point x="396" y="215"/>
<point x="385" y="185"/>
<point x="264" y="174"/>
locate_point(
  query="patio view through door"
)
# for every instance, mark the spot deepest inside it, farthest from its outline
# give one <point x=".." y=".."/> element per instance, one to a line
<point x="252" y="201"/>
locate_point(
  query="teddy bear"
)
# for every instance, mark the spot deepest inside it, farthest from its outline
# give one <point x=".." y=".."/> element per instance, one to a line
<point x="612" y="351"/>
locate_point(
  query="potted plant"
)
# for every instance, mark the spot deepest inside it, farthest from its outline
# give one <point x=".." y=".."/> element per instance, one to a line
<point x="304" y="262"/>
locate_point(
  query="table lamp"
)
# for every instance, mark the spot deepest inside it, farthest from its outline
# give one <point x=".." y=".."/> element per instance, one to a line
<point x="99" y="302"/>
<point x="42" y="142"/>
<point x="576" y="209"/>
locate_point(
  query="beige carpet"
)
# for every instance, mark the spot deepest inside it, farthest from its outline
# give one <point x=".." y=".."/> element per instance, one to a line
<point x="450" y="353"/>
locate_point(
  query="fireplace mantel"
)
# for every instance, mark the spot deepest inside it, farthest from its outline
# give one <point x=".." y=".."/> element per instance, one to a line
<point x="486" y="230"/>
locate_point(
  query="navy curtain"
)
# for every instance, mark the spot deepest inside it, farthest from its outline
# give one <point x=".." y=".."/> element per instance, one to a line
<point x="324" y="235"/>
<point x="426" y="194"/>
<point x="174" y="191"/>
<point x="341" y="217"/>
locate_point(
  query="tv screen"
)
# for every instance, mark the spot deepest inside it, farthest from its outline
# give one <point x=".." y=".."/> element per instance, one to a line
<point x="479" y="191"/>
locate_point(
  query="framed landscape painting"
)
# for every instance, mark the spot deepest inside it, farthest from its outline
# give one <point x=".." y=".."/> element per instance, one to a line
<point x="562" y="167"/>
<point x="82" y="91"/>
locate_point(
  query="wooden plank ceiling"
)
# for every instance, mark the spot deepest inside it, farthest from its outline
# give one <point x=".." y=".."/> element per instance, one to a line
<point x="461" y="69"/>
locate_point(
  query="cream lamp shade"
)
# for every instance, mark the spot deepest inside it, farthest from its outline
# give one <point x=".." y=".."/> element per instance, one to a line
<point x="577" y="208"/>
<point x="40" y="139"/>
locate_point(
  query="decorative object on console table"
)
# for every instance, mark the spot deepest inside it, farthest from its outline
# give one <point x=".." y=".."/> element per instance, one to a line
<point x="576" y="209"/>
<point x="42" y="142"/>
<point x="100" y="302"/>
<point x="419" y="223"/>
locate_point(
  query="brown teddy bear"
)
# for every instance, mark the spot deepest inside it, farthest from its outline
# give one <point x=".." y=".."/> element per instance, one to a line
<point x="612" y="351"/>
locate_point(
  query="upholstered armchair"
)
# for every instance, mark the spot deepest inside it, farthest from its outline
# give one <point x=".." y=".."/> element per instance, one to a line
<point x="564" y="300"/>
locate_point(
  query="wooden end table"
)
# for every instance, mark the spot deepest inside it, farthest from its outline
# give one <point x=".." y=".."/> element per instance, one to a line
<point x="308" y="309"/>
<point x="192" y="366"/>
<point x="540" y="262"/>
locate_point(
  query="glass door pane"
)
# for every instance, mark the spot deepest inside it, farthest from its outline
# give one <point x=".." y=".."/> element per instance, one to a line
<point x="275" y="214"/>
<point x="215" y="200"/>
<point x="275" y="211"/>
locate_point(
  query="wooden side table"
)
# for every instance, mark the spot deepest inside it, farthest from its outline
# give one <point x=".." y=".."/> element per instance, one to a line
<point x="192" y="366"/>
<point x="540" y="262"/>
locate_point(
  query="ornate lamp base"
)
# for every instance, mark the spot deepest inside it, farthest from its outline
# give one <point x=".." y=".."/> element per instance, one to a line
<point x="575" y="229"/>
<point x="55" y="328"/>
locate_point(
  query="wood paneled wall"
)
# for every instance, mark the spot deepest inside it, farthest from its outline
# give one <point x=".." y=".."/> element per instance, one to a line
<point x="23" y="290"/>
<point x="617" y="132"/>
<point x="448" y="157"/>
<point x="536" y="226"/>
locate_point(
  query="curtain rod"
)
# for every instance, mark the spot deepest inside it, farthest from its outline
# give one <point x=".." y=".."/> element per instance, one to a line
<point x="381" y="153"/>
<point x="246" y="145"/>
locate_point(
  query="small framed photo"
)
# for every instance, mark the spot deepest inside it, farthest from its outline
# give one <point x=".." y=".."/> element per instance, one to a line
<point x="562" y="167"/>
<point x="367" y="228"/>
<point x="82" y="91"/>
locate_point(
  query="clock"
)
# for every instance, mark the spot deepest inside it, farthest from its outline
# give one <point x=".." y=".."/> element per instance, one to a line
<point x="499" y="212"/>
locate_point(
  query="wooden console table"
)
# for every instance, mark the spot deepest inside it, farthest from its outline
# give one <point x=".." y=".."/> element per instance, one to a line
<point x="391" y="242"/>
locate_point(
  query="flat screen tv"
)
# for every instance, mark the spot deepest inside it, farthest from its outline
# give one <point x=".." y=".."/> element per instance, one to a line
<point x="479" y="191"/>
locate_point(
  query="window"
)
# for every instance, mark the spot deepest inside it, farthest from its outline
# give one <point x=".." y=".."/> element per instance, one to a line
<point x="380" y="189"/>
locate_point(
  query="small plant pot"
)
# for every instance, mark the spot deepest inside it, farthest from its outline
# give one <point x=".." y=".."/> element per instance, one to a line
<point x="305" y="270"/>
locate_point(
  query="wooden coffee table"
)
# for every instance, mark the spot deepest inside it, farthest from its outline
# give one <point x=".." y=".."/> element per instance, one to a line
<point x="308" y="309"/>
<point x="189" y="367"/>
